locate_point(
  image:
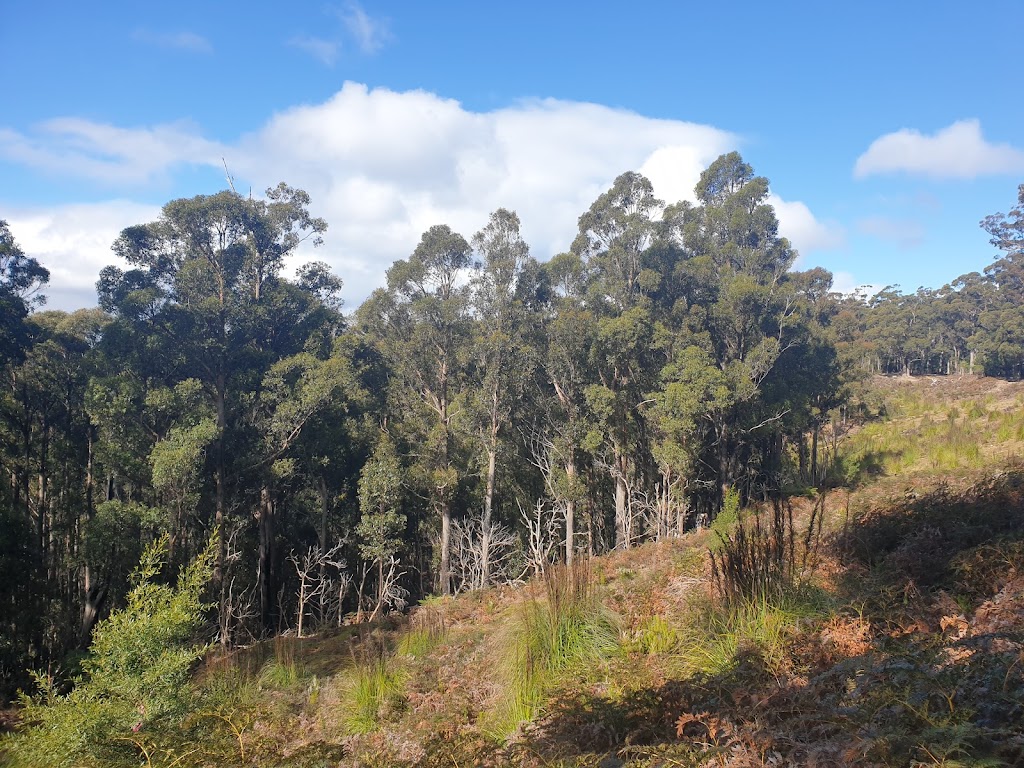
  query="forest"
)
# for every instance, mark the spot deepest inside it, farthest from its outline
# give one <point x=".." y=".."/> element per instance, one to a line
<point x="480" y="417"/>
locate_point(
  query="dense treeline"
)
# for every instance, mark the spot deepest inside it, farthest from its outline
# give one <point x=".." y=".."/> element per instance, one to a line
<point x="481" y="415"/>
<point x="971" y="325"/>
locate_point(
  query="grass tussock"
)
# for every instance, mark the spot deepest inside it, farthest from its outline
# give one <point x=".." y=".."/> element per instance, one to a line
<point x="426" y="630"/>
<point x="374" y="690"/>
<point x="763" y="554"/>
<point x="551" y="636"/>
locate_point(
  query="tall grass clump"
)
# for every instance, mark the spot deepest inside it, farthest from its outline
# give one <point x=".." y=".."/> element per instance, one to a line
<point x="719" y="635"/>
<point x="762" y="556"/>
<point x="425" y="631"/>
<point x="286" y="669"/>
<point x="554" y="632"/>
<point x="375" y="689"/>
<point x="757" y="570"/>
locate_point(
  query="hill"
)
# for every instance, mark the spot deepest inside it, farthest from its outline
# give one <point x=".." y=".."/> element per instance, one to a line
<point x="878" y="623"/>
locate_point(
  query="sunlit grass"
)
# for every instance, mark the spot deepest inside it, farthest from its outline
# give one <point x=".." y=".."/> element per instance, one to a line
<point x="930" y="434"/>
<point x="568" y="628"/>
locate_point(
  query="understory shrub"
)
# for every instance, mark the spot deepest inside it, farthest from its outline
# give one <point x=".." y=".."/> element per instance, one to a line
<point x="135" y="679"/>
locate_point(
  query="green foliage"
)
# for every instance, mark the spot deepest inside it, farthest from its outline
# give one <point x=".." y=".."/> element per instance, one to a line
<point x="567" y="630"/>
<point x="136" y="677"/>
<point x="375" y="691"/>
<point x="380" y="498"/>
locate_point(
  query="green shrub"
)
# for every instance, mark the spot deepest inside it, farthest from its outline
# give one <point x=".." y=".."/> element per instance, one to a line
<point x="135" y="679"/>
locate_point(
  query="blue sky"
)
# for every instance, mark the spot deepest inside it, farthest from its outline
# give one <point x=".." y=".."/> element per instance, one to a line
<point x="888" y="130"/>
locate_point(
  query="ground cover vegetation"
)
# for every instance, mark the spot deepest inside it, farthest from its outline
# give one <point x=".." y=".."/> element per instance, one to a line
<point x="551" y="439"/>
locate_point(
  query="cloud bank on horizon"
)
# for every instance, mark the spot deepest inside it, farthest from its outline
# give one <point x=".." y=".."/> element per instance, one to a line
<point x="381" y="166"/>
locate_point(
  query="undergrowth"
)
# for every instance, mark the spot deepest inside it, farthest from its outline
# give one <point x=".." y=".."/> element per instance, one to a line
<point x="549" y="637"/>
<point x="374" y="688"/>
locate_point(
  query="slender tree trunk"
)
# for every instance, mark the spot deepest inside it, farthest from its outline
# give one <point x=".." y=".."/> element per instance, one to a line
<point x="266" y="528"/>
<point x="814" y="453"/>
<point x="445" y="572"/>
<point x="219" y="579"/>
<point x="622" y="526"/>
<point x="486" y="522"/>
<point x="570" y="510"/>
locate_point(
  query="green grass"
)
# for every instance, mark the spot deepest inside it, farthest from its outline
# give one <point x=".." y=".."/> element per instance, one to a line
<point x="567" y="629"/>
<point x="426" y="630"/>
<point x="286" y="670"/>
<point x="933" y="435"/>
<point x="718" y="636"/>
<point x="375" y="692"/>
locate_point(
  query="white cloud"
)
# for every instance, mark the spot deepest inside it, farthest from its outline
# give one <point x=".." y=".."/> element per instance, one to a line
<point x="357" y="28"/>
<point x="324" y="51"/>
<point x="959" y="151"/>
<point x="846" y="284"/>
<point x="73" y="242"/>
<point x="381" y="167"/>
<point x="804" y="231"/>
<point x="106" y="153"/>
<point x="907" y="233"/>
<point x="370" y="34"/>
<point x="184" y="41"/>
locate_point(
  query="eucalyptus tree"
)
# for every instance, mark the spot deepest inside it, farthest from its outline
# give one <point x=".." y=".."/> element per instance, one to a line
<point x="21" y="279"/>
<point x="739" y="304"/>
<point x="503" y="289"/>
<point x="422" y="323"/>
<point x="614" y="239"/>
<point x="557" y="444"/>
<point x="1001" y="325"/>
<point x="204" y="298"/>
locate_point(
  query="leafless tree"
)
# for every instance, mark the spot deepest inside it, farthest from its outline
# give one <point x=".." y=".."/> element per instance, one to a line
<point x="313" y="582"/>
<point x="543" y="535"/>
<point x="241" y="602"/>
<point x="480" y="558"/>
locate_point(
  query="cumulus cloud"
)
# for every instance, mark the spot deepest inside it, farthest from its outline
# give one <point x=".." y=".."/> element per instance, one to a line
<point x="959" y="151"/>
<point x="73" y="242"/>
<point x="382" y="167"/>
<point x="907" y="233"/>
<point x="107" y="153"/>
<point x="183" y="41"/>
<point x="804" y="231"/>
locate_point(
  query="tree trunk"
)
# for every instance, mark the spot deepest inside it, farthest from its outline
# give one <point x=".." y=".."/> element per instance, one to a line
<point x="485" y="523"/>
<point x="445" y="569"/>
<point x="266" y="528"/>
<point x="219" y="580"/>
<point x="814" y="454"/>
<point x="622" y="526"/>
<point x="570" y="510"/>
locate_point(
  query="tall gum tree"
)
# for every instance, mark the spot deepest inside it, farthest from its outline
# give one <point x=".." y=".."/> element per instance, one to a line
<point x="732" y="266"/>
<point x="502" y="359"/>
<point x="615" y="235"/>
<point x="199" y="295"/>
<point x="422" y="322"/>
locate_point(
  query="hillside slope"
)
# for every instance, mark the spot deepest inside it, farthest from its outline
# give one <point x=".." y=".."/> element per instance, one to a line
<point x="879" y="624"/>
